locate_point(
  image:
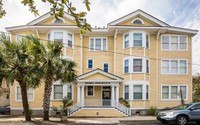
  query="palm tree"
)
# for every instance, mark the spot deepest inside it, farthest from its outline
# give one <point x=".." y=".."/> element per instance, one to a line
<point x="54" y="68"/>
<point x="17" y="64"/>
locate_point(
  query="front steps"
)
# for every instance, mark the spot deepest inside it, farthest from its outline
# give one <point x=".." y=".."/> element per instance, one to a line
<point x="98" y="112"/>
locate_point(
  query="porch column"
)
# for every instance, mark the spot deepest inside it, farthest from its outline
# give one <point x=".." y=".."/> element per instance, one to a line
<point x="117" y="94"/>
<point x="112" y="96"/>
<point x="78" y="95"/>
<point x="82" y="96"/>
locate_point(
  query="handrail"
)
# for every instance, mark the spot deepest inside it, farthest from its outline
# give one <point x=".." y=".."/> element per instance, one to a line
<point x="73" y="108"/>
<point x="99" y="103"/>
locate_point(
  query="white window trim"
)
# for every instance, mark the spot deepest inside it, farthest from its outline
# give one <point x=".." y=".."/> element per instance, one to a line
<point x="94" y="38"/>
<point x="124" y="65"/>
<point x="178" y="85"/>
<point x="17" y="100"/>
<point x="108" y="66"/>
<point x="178" y="59"/>
<point x="65" y="90"/>
<point x="17" y="37"/>
<point x="53" y="21"/>
<point x="137" y="19"/>
<point x="170" y="43"/>
<point x="88" y="63"/>
<point x="131" y="42"/>
<point x="136" y="82"/>
<point x="93" y="91"/>
<point x="65" y="37"/>
<point x="131" y="65"/>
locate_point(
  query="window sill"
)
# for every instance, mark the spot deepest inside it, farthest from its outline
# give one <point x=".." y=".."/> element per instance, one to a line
<point x="166" y="50"/>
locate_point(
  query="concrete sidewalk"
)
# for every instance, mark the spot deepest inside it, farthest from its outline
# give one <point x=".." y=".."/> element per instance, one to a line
<point x="87" y="120"/>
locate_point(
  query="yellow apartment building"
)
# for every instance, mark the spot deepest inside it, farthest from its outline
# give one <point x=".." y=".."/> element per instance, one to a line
<point x="136" y="57"/>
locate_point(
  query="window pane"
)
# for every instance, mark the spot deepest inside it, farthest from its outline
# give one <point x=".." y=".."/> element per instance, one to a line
<point x="98" y="44"/>
<point x="137" y="92"/>
<point x="58" y="36"/>
<point x="19" y="96"/>
<point x="147" y="92"/>
<point x="183" y="42"/>
<point x="126" y="41"/>
<point x="165" y="42"/>
<point x="174" y="92"/>
<point x="58" y="21"/>
<point x="69" y="40"/>
<point x="58" y="91"/>
<point x="105" y="66"/>
<point x="104" y="45"/>
<point x="165" y="92"/>
<point x="174" y="42"/>
<point x="165" y="66"/>
<point x="147" y="66"/>
<point x="137" y="37"/>
<point x="147" y="41"/>
<point x="126" y="89"/>
<point x="19" y="38"/>
<point x="184" y="91"/>
<point x="174" y="66"/>
<point x="126" y="66"/>
<point x="183" y="67"/>
<point x="137" y="65"/>
<point x="90" y="91"/>
<point x="90" y="64"/>
<point x="91" y="44"/>
<point x="69" y="91"/>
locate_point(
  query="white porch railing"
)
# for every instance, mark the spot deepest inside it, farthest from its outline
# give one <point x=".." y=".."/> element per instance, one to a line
<point x="74" y="108"/>
<point x="99" y="103"/>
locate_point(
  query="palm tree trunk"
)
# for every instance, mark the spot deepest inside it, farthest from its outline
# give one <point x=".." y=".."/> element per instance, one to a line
<point x="25" y="101"/>
<point x="47" y="95"/>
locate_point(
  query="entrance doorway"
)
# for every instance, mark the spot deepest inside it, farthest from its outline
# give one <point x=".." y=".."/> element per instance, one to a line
<point x="106" y="96"/>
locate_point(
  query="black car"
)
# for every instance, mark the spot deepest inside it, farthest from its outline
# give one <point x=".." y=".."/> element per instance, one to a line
<point x="4" y="110"/>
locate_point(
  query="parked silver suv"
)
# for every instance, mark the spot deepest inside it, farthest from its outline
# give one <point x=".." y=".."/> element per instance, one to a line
<point x="181" y="114"/>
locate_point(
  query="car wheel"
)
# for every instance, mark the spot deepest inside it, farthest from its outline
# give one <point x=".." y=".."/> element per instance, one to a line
<point x="198" y="122"/>
<point x="181" y="120"/>
<point x="164" y="122"/>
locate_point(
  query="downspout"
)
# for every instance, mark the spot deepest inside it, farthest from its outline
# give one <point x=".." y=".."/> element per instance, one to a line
<point x="157" y="38"/>
<point x="81" y="37"/>
<point x="115" y="39"/>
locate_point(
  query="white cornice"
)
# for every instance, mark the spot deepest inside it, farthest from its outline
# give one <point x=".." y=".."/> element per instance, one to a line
<point x="138" y="12"/>
<point x="47" y="15"/>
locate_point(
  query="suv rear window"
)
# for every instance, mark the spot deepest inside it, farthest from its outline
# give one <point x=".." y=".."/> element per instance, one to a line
<point x="181" y="107"/>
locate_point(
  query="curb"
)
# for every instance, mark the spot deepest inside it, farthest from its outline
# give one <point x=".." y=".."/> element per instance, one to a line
<point x="139" y="121"/>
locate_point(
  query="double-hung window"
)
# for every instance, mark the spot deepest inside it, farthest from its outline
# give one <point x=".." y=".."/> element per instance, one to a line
<point x="19" y="38"/>
<point x="105" y="67"/>
<point x="174" y="67"/>
<point x="30" y="94"/>
<point x="137" y="65"/>
<point x="98" y="44"/>
<point x="126" y="40"/>
<point x="147" y="92"/>
<point x="126" y="66"/>
<point x="174" y="42"/>
<point x="69" y="92"/>
<point x="174" y="92"/>
<point x="69" y="40"/>
<point x="58" y="37"/>
<point x="137" y="39"/>
<point x="58" y="92"/>
<point x="137" y="92"/>
<point x="90" y="90"/>
<point x="126" y="92"/>
<point x="90" y="64"/>
<point x="147" y="66"/>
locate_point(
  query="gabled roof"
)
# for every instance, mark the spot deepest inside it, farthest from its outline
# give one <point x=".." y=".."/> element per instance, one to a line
<point x="141" y="13"/>
<point x="47" y="15"/>
<point x="100" y="71"/>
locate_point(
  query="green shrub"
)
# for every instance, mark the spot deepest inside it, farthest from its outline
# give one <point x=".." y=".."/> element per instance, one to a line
<point x="152" y="110"/>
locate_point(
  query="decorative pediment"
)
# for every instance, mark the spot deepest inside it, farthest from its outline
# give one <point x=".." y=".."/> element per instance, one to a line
<point x="48" y="19"/>
<point x="137" y="17"/>
<point x="99" y="75"/>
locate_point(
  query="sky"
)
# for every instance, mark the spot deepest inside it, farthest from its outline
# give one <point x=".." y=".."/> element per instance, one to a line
<point x="179" y="13"/>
